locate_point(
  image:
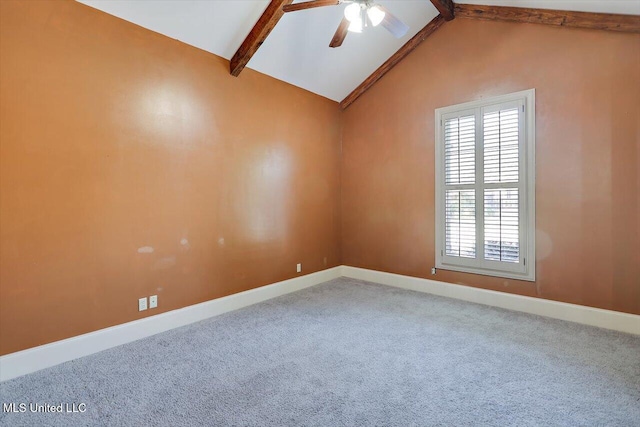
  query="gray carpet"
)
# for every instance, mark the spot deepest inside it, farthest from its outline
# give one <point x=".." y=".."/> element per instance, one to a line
<point x="350" y="353"/>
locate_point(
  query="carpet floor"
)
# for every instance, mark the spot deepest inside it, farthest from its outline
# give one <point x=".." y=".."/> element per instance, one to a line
<point x="350" y="353"/>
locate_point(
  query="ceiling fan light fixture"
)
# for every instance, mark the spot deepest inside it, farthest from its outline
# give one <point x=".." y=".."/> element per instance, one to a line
<point x="355" y="26"/>
<point x="352" y="12"/>
<point x="376" y="15"/>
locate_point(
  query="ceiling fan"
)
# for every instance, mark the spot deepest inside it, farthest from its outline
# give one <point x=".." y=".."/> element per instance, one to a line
<point x="357" y="15"/>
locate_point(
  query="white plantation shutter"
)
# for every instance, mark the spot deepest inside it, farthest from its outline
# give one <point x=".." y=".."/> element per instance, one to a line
<point x="485" y="187"/>
<point x="460" y="223"/>
<point x="460" y="150"/>
<point x="501" y="142"/>
<point x="460" y="171"/>
<point x="501" y="225"/>
<point x="501" y="145"/>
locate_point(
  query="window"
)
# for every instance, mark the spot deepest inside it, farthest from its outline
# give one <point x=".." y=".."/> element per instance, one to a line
<point x="485" y="186"/>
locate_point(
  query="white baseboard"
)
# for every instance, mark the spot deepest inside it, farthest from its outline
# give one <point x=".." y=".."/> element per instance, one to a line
<point x="608" y="319"/>
<point x="34" y="359"/>
<point x="44" y="356"/>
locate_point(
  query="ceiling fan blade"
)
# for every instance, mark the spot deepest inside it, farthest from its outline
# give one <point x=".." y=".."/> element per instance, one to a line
<point x="309" y="5"/>
<point x="393" y="24"/>
<point x="340" y="34"/>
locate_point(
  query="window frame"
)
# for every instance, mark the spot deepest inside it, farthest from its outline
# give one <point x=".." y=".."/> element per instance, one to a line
<point x="525" y="269"/>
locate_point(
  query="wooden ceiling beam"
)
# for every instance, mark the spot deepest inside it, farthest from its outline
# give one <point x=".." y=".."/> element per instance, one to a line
<point x="445" y="7"/>
<point x="562" y="18"/>
<point x="257" y="35"/>
<point x="310" y="5"/>
<point x="405" y="50"/>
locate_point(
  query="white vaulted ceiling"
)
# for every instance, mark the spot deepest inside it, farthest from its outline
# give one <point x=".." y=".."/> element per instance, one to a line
<point x="297" y="50"/>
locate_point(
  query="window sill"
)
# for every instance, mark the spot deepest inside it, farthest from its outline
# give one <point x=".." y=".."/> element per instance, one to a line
<point x="530" y="276"/>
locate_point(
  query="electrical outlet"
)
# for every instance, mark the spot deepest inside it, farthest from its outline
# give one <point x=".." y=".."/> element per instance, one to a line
<point x="153" y="301"/>
<point x="433" y="270"/>
<point x="299" y="268"/>
<point x="142" y="304"/>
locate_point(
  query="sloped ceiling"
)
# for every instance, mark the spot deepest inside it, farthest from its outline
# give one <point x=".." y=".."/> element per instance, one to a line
<point x="297" y="51"/>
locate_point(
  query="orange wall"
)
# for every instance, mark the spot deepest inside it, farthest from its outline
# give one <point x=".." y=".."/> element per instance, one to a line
<point x="115" y="138"/>
<point x="588" y="156"/>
